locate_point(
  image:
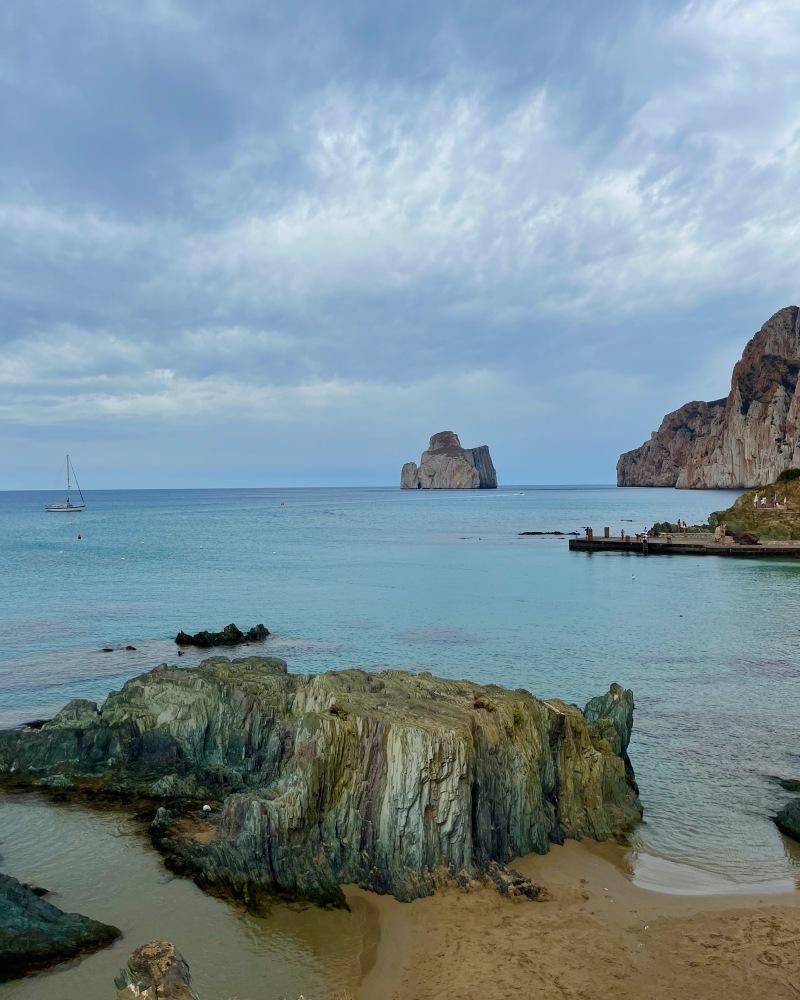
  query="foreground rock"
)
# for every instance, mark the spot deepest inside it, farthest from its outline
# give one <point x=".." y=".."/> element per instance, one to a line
<point x="744" y="440"/>
<point x="388" y="780"/>
<point x="788" y="819"/>
<point x="156" y="971"/>
<point x="448" y="466"/>
<point x="35" y="934"/>
<point x="231" y="635"/>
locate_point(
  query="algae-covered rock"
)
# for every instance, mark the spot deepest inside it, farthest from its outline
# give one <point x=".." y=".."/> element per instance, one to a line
<point x="386" y="780"/>
<point x="35" y="934"/>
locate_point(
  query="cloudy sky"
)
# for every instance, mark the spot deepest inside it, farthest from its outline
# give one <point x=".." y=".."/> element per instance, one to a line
<point x="260" y="243"/>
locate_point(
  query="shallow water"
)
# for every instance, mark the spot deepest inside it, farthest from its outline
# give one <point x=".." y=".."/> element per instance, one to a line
<point x="441" y="581"/>
<point x="99" y="864"/>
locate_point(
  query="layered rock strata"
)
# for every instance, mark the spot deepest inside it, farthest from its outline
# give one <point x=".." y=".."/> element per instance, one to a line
<point x="388" y="780"/>
<point x="35" y="934"/>
<point x="744" y="440"/>
<point x="448" y="466"/>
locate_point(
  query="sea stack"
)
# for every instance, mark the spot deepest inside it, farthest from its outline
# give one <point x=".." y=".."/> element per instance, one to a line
<point x="746" y="439"/>
<point x="448" y="466"/>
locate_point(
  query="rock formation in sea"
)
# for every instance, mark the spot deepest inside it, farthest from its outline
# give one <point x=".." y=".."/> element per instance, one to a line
<point x="744" y="440"/>
<point x="390" y="780"/>
<point x="231" y="635"/>
<point x="448" y="466"/>
<point x="788" y="819"/>
<point x="156" y="971"/>
<point x="35" y="934"/>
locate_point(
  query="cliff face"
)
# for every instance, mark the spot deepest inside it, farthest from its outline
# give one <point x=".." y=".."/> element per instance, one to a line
<point x="385" y="780"/>
<point x="744" y="440"/>
<point x="448" y="466"/>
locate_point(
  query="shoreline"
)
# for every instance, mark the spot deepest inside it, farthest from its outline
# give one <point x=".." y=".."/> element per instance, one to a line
<point x="596" y="933"/>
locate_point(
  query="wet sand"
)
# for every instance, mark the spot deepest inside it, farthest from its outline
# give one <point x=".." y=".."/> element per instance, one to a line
<point x="598" y="934"/>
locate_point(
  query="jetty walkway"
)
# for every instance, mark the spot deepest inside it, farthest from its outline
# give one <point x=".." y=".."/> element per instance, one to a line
<point x="689" y="544"/>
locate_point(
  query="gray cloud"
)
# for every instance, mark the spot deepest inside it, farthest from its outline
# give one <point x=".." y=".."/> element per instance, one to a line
<point x="340" y="227"/>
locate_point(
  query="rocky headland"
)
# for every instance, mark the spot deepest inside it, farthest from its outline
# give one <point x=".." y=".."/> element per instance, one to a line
<point x="769" y="512"/>
<point x="748" y="438"/>
<point x="262" y="783"/>
<point x="35" y="934"/>
<point x="448" y="466"/>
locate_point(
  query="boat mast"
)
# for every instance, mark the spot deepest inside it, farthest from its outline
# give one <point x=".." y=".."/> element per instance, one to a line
<point x="67" y="478"/>
<point x="74" y="476"/>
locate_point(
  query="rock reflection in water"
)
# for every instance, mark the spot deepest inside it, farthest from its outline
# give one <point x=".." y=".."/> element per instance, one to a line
<point x="98" y="863"/>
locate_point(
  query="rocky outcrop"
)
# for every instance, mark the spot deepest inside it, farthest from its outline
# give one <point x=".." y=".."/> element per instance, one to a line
<point x="388" y="780"/>
<point x="35" y="934"/>
<point x="156" y="971"/>
<point x="769" y="512"/>
<point x="448" y="466"/>
<point x="231" y="635"/>
<point x="744" y="440"/>
<point x="788" y="819"/>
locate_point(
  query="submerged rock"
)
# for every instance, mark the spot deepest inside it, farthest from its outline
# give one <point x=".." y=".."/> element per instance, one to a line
<point x="743" y="440"/>
<point x="35" y="934"/>
<point x="156" y="971"/>
<point x="788" y="819"/>
<point x="231" y="635"/>
<point x="388" y="780"/>
<point x="448" y="466"/>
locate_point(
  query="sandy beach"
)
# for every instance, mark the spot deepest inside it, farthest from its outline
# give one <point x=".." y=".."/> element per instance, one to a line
<point x="597" y="934"/>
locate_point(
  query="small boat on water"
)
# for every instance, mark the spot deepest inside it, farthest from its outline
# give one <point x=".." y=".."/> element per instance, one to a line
<point x="68" y="505"/>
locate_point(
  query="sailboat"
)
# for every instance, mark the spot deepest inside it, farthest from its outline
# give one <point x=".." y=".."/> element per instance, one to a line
<point x="68" y="505"/>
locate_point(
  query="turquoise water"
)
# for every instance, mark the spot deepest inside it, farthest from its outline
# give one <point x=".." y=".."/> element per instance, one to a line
<point x="441" y="581"/>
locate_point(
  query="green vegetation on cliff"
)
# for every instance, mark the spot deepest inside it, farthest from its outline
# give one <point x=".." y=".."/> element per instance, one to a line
<point x="777" y="519"/>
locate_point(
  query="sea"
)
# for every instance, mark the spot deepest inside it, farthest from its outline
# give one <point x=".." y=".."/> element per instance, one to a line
<point x="423" y="580"/>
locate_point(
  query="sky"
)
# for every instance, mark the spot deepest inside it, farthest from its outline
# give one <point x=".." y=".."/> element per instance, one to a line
<point x="255" y="243"/>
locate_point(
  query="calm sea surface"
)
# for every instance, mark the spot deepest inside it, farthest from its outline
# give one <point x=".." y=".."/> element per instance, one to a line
<point x="441" y="581"/>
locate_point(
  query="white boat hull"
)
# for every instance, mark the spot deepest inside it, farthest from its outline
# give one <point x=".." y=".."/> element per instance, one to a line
<point x="64" y="507"/>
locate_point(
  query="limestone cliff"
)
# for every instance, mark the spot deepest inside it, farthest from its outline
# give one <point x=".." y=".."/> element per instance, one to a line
<point x="744" y="440"/>
<point x="448" y="466"/>
<point x="387" y="780"/>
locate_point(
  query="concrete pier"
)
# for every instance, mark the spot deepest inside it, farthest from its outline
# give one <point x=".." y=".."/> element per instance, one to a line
<point x="689" y="544"/>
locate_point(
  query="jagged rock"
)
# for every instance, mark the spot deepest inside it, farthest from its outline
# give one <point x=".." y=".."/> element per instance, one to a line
<point x="448" y="466"/>
<point x="35" y="934"/>
<point x="788" y="819"/>
<point x="513" y="883"/>
<point x="744" y="440"/>
<point x="156" y="971"/>
<point x="378" y="779"/>
<point x="231" y="635"/>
